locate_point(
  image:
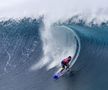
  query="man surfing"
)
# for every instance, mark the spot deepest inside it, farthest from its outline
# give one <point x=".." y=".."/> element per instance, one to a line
<point x="65" y="63"/>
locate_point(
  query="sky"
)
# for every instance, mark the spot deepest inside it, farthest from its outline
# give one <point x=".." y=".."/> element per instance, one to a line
<point x="60" y="8"/>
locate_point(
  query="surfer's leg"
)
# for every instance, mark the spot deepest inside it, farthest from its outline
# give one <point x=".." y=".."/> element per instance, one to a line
<point x="62" y="64"/>
<point x="67" y="66"/>
<point x="63" y="67"/>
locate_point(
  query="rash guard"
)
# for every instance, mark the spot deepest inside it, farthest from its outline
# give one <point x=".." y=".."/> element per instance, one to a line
<point x="66" y="61"/>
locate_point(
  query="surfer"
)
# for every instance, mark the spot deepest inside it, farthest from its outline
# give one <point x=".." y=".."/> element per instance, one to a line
<point x="65" y="63"/>
<point x="65" y="66"/>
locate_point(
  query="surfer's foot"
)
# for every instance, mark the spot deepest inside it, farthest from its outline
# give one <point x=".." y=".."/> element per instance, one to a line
<point x="62" y="69"/>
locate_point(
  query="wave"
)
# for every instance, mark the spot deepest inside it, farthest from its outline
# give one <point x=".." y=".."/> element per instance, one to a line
<point x="89" y="71"/>
<point x="57" y="45"/>
<point x="27" y="45"/>
<point x="19" y="40"/>
<point x="90" y="66"/>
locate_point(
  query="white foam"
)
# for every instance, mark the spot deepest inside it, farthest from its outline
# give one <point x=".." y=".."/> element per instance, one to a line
<point x="57" y="45"/>
<point x="54" y="9"/>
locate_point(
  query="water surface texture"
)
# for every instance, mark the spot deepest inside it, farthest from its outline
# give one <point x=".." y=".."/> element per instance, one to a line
<point x="21" y="46"/>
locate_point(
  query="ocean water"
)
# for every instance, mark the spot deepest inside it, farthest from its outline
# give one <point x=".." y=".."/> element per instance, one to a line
<point x="30" y="55"/>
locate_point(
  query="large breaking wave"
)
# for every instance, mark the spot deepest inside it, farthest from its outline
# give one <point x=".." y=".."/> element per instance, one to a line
<point x="30" y="54"/>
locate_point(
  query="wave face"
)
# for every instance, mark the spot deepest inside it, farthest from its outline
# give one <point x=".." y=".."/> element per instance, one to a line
<point x="21" y="46"/>
<point x="91" y="65"/>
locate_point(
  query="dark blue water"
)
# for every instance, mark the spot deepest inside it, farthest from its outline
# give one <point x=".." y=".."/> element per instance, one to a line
<point x="21" y="47"/>
<point x="92" y="62"/>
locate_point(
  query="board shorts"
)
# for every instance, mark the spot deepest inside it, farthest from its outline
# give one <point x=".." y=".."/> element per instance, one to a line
<point x="63" y="64"/>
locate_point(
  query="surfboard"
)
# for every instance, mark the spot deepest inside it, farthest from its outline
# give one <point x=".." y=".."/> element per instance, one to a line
<point x="59" y="74"/>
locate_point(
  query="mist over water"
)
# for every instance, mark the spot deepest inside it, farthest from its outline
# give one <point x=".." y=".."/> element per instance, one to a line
<point x="52" y="9"/>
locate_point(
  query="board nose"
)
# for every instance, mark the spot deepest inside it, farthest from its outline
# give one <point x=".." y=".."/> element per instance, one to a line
<point x="55" y="77"/>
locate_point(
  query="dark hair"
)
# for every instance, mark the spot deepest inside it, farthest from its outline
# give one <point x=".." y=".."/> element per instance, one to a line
<point x="69" y="57"/>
